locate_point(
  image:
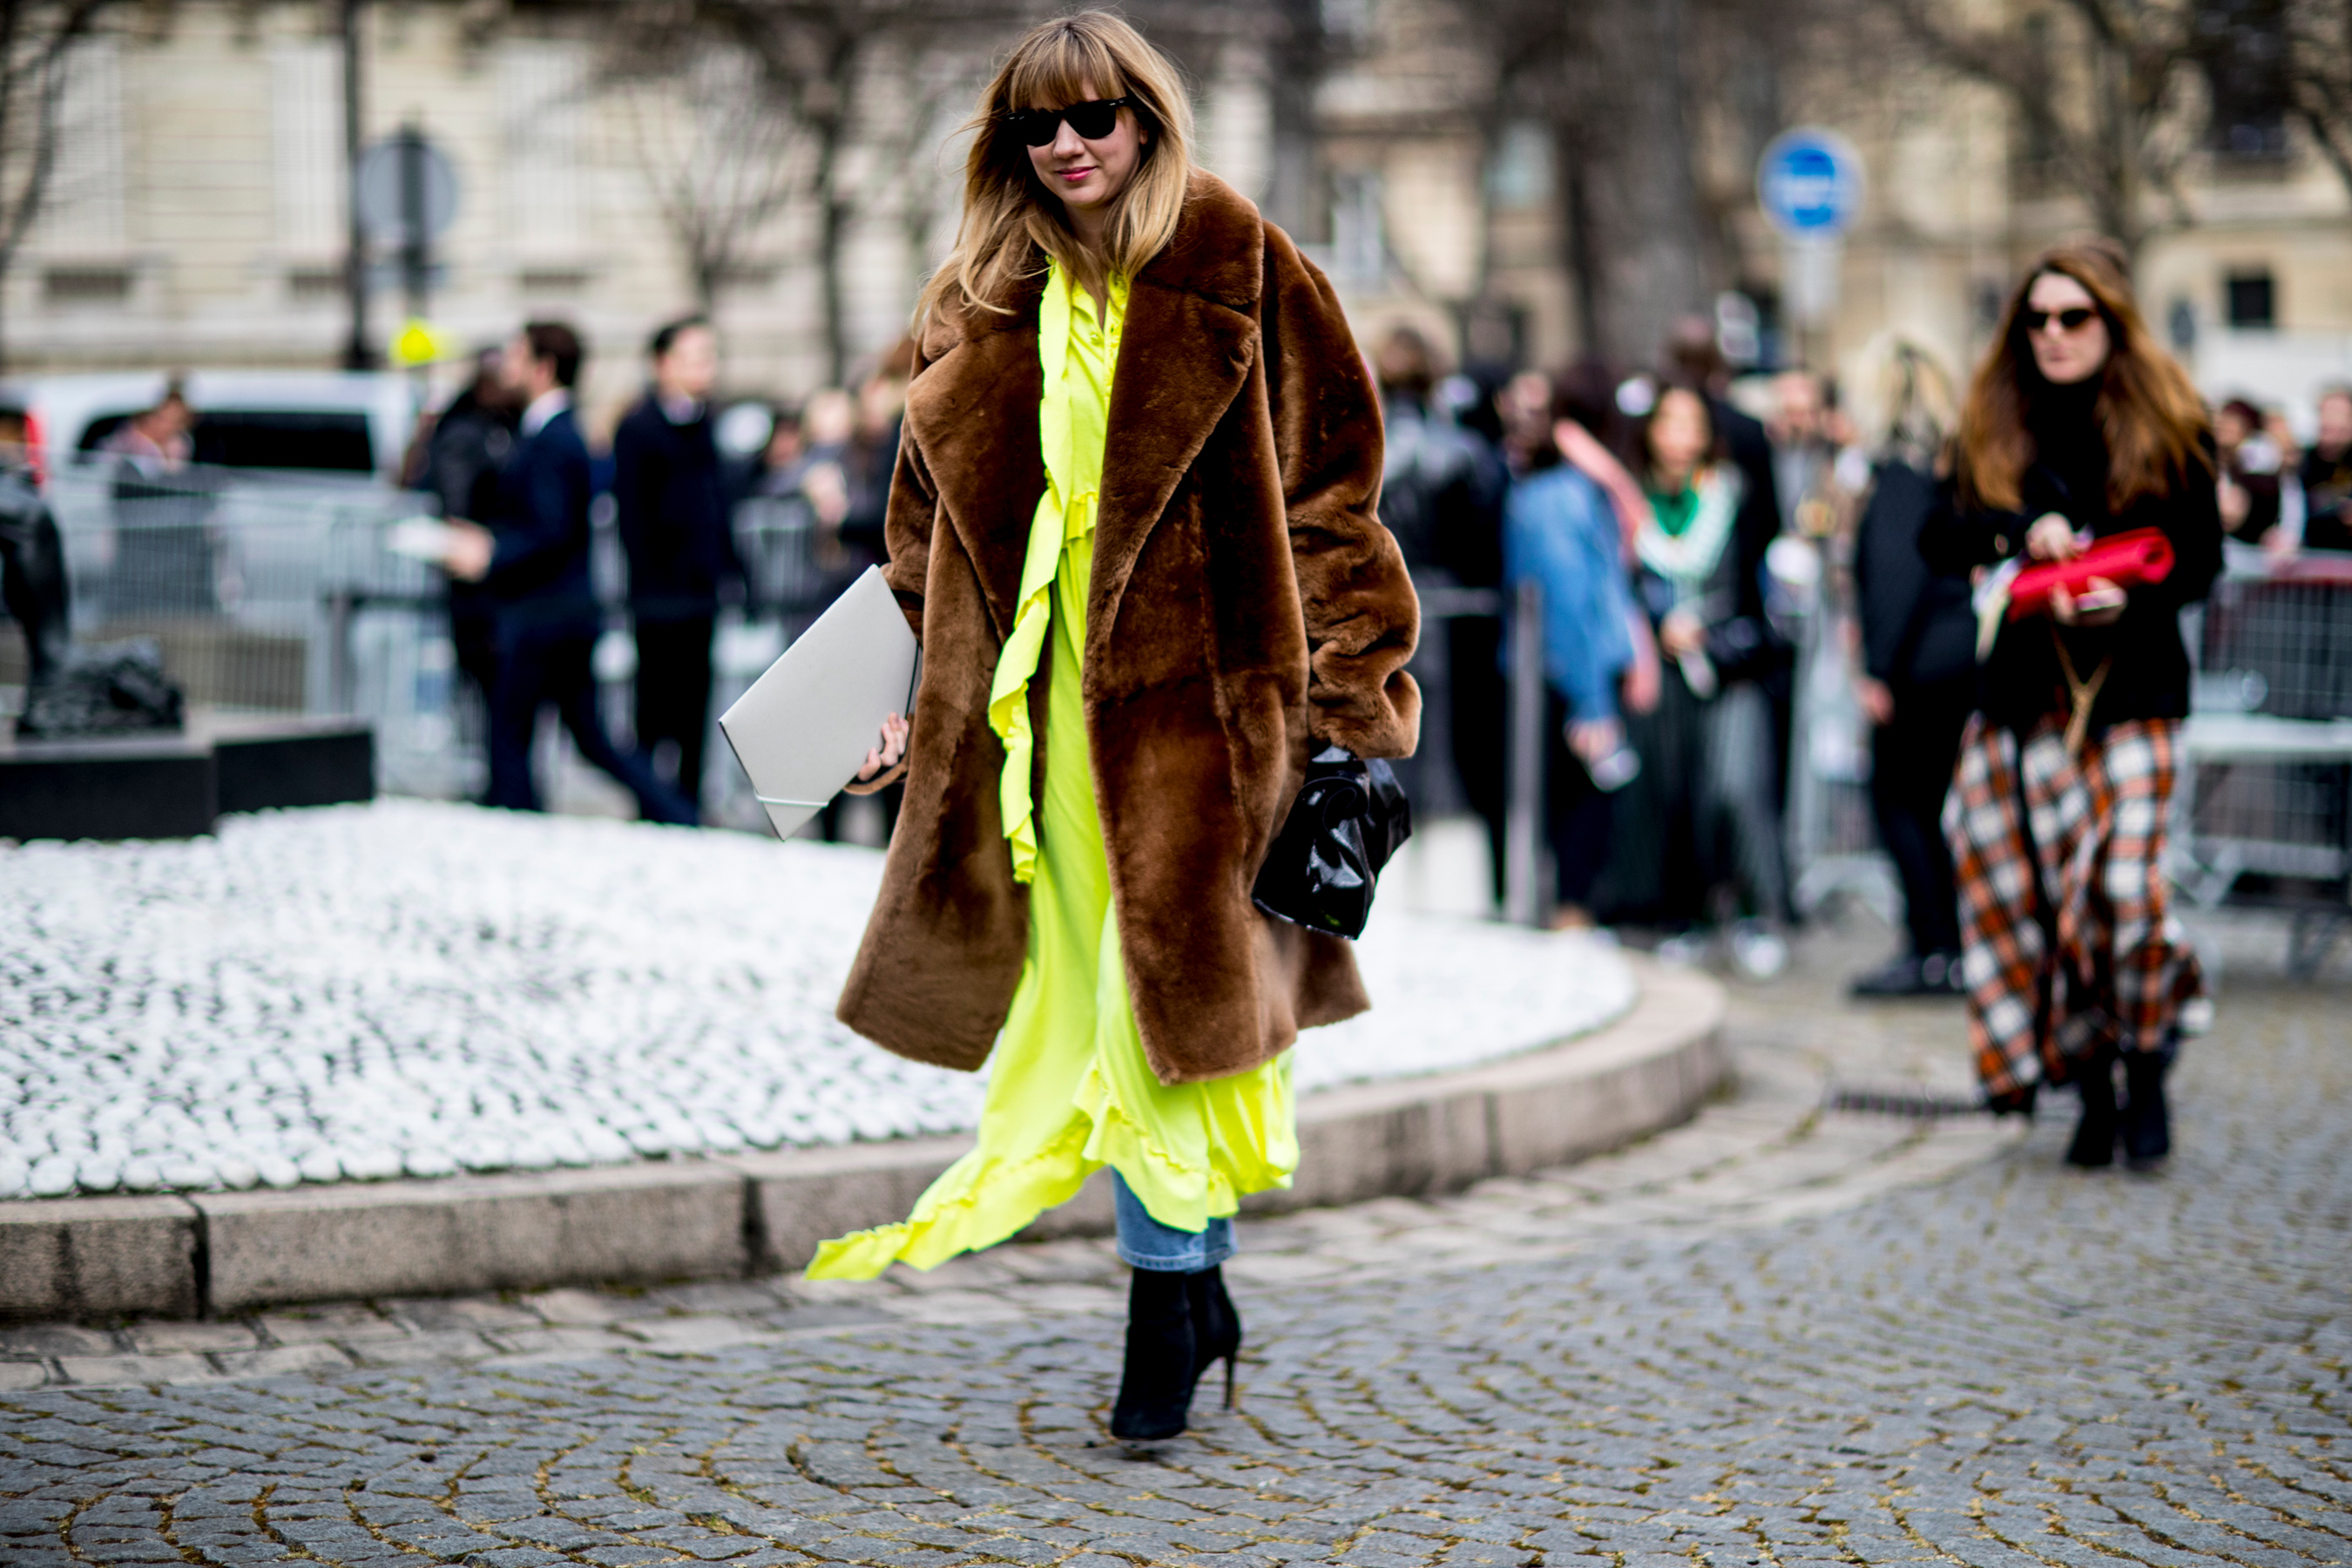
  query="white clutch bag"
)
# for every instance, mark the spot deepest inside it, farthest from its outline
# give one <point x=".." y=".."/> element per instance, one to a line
<point x="806" y="726"/>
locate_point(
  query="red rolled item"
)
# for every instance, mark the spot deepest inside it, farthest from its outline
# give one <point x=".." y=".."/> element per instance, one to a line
<point x="2129" y="559"/>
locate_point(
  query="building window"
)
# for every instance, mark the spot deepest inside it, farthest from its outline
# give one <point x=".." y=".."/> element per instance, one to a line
<point x="315" y="285"/>
<point x="2243" y="45"/>
<point x="86" y="285"/>
<point x="1520" y="174"/>
<point x="2253" y="301"/>
<point x="82" y="209"/>
<point x="1358" y="231"/>
<point x="305" y="134"/>
<point x="543" y="99"/>
<point x="551" y="282"/>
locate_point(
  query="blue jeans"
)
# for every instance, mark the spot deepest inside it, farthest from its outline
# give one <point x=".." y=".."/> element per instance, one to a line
<point x="1145" y="1243"/>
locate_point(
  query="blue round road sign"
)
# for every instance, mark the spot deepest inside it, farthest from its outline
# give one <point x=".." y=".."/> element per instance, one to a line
<point x="1809" y="183"/>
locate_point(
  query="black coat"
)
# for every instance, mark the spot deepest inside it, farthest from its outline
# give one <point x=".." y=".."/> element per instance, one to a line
<point x="539" y="572"/>
<point x="2023" y="683"/>
<point x="464" y="458"/>
<point x="470" y="442"/>
<point x="1749" y="647"/>
<point x="1916" y="628"/>
<point x="670" y="501"/>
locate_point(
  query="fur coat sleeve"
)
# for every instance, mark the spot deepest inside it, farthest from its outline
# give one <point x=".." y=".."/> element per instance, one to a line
<point x="1361" y="615"/>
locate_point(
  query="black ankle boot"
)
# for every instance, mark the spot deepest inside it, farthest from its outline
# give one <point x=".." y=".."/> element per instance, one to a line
<point x="1216" y="1327"/>
<point x="2146" y="1122"/>
<point x="1155" y="1387"/>
<point x="2095" y="1135"/>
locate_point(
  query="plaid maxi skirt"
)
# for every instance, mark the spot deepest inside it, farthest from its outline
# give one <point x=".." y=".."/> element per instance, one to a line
<point x="2046" y="844"/>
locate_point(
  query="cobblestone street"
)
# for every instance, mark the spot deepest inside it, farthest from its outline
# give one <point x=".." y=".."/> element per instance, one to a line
<point x="1779" y="1334"/>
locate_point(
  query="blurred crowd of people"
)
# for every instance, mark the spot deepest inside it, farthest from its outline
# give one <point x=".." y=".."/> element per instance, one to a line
<point x="1646" y="508"/>
<point x="1700" y="549"/>
<point x="1696" y="547"/>
<point x="2274" y="493"/>
<point x="774" y="507"/>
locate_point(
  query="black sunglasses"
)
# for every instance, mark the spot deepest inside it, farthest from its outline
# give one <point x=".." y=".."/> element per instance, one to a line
<point x="1092" y="121"/>
<point x="2072" y="319"/>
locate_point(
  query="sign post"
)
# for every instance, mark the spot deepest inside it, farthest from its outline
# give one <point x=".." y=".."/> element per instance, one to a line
<point x="1810" y="184"/>
<point x="406" y="197"/>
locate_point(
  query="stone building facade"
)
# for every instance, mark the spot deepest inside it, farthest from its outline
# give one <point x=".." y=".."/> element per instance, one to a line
<point x="196" y="215"/>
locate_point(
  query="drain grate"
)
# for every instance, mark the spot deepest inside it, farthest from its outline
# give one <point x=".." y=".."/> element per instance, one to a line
<point x="1919" y="1104"/>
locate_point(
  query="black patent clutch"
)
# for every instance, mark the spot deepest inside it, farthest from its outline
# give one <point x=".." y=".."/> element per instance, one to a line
<point x="1350" y="815"/>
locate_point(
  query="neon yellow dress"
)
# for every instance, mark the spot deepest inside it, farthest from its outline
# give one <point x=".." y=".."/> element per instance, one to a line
<point x="1069" y="1090"/>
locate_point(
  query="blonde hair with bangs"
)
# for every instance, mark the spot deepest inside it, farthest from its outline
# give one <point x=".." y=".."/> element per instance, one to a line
<point x="1013" y="226"/>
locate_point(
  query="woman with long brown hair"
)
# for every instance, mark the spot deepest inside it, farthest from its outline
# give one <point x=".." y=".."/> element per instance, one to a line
<point x="1133" y="524"/>
<point x="2077" y="426"/>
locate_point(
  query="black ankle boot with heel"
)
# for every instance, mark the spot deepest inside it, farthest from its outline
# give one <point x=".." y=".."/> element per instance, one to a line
<point x="1155" y="1386"/>
<point x="2095" y="1135"/>
<point x="1216" y="1327"/>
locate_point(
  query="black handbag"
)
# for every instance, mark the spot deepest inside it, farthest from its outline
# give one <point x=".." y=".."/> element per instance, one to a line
<point x="1350" y="817"/>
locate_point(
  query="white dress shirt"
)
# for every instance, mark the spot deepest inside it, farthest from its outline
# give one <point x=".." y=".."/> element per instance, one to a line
<point x="544" y="408"/>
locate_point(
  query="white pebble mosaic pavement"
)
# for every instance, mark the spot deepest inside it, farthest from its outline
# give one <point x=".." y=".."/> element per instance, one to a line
<point x="415" y="988"/>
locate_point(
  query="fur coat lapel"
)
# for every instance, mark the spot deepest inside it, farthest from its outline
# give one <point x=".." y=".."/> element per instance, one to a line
<point x="975" y="412"/>
<point x="1190" y="338"/>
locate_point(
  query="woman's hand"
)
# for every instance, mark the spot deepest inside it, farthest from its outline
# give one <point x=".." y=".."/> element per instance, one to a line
<point x="2104" y="596"/>
<point x="2235" y="501"/>
<point x="2052" y="538"/>
<point x="1682" y="633"/>
<point x="1877" y="701"/>
<point x="885" y="755"/>
<point x="1641" y="690"/>
<point x="1593" y="738"/>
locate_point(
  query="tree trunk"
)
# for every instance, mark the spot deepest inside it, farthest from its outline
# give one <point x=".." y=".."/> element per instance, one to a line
<point x="832" y="226"/>
<point x="1583" y="265"/>
<point x="1293" y="200"/>
<point x="1635" y="237"/>
<point x="2117" y="203"/>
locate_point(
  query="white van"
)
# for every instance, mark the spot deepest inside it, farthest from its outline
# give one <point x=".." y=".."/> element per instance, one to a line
<point x="354" y="423"/>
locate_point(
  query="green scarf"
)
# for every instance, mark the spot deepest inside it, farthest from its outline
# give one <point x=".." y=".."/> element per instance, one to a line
<point x="1675" y="512"/>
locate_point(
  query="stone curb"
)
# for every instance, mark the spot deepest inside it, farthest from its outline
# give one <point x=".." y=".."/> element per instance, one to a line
<point x="213" y="1253"/>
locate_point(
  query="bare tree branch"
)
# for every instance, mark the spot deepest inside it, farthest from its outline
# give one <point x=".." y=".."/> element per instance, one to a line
<point x="812" y="60"/>
<point x="36" y="38"/>
<point x="2319" y="77"/>
<point x="2107" y="115"/>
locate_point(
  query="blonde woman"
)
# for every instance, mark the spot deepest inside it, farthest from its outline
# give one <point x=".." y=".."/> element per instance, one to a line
<point x="1133" y="523"/>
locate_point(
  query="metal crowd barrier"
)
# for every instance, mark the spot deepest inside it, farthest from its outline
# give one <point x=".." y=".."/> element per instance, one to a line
<point x="2263" y="814"/>
<point x="226" y="571"/>
<point x="268" y="593"/>
<point x="1830" y="832"/>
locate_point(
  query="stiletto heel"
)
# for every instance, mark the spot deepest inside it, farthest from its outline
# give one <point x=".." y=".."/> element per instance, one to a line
<point x="1216" y="1327"/>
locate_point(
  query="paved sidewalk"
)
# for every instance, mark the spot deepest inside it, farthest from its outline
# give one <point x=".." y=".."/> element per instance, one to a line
<point x="1776" y="1335"/>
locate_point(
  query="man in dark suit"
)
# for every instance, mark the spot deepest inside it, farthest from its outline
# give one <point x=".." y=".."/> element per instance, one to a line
<point x="671" y="505"/>
<point x="534" y="560"/>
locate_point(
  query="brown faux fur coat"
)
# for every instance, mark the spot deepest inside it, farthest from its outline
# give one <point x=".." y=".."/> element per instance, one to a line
<point x="1247" y="606"/>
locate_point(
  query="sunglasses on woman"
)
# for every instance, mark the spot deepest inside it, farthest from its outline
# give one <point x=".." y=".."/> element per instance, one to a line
<point x="1092" y="121"/>
<point x="2072" y="319"/>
